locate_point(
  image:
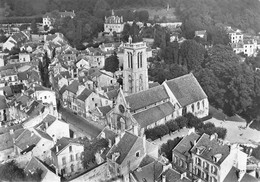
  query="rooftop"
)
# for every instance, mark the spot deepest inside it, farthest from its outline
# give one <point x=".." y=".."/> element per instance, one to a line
<point x="63" y="143"/>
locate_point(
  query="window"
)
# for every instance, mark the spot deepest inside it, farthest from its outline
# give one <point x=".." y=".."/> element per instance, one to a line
<point x="213" y="170"/>
<point x="198" y="105"/>
<point x="198" y="161"/>
<point x="203" y="104"/>
<point x="174" y="159"/>
<point x="70" y="148"/>
<point x="64" y="160"/>
<point x="180" y="162"/>
<point x="71" y="158"/>
<point x="212" y="179"/>
<point x="72" y="168"/>
<point x="93" y="99"/>
<point x="205" y="165"/>
<point x="137" y="154"/>
<point x="192" y="107"/>
<point x="77" y="156"/>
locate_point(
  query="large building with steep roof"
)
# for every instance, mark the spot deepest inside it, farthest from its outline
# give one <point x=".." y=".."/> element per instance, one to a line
<point x="157" y="105"/>
<point x="113" y="24"/>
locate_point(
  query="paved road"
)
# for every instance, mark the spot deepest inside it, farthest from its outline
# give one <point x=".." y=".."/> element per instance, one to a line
<point x="80" y="123"/>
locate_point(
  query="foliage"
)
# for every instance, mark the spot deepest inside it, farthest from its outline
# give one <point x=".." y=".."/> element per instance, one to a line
<point x="11" y="172"/>
<point x="181" y="121"/>
<point x="172" y="125"/>
<point x="90" y="149"/>
<point x="24" y="27"/>
<point x="167" y="147"/>
<point x="112" y="63"/>
<point x="34" y="28"/>
<point x="43" y="67"/>
<point x="256" y="152"/>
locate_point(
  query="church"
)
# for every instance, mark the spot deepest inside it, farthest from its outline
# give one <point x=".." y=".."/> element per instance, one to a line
<point x="139" y="107"/>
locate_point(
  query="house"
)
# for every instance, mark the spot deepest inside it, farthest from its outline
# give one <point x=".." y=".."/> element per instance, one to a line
<point x="250" y="47"/>
<point x="46" y="174"/>
<point x="67" y="156"/>
<point x="9" y="76"/>
<point x="152" y="169"/>
<point x="107" y="47"/>
<point x="83" y="64"/>
<point x="99" y="113"/>
<point x="17" y="39"/>
<point x="157" y="105"/>
<point x="235" y="36"/>
<point x="113" y="24"/>
<point x="208" y="157"/>
<point x="35" y="141"/>
<point x="24" y="58"/>
<point x="6" y="147"/>
<point x="49" y="18"/>
<point x="102" y="78"/>
<point x="4" y="109"/>
<point x="70" y="94"/>
<point x="202" y="34"/>
<point x="54" y="127"/>
<point x="127" y="153"/>
<point x="88" y="100"/>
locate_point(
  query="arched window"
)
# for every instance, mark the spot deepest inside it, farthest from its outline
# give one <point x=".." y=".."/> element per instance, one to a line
<point x="192" y="107"/>
<point x="138" y="60"/>
<point x="141" y="59"/>
<point x="198" y="105"/>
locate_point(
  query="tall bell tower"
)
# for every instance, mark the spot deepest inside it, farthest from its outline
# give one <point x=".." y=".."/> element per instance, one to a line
<point x="135" y="71"/>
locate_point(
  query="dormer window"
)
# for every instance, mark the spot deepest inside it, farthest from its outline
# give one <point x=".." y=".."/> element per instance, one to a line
<point x="216" y="157"/>
<point x="200" y="150"/>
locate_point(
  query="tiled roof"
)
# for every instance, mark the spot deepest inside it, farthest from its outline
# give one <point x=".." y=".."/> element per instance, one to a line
<point x="65" y="74"/>
<point x="73" y="87"/>
<point x="104" y="109"/>
<point x="174" y="176"/>
<point x="232" y="176"/>
<point x="20" y="37"/>
<point x="3" y="104"/>
<point x="186" y="144"/>
<point x="35" y="108"/>
<point x="211" y="148"/>
<point x="150" y="172"/>
<point x="146" y="160"/>
<point x="41" y="88"/>
<point x="112" y="94"/>
<point x="109" y="134"/>
<point x="123" y="147"/>
<point x="151" y="115"/>
<point x="6" y="141"/>
<point x="84" y="94"/>
<point x="27" y="139"/>
<point x="64" y="142"/>
<point x="43" y="134"/>
<point x="154" y="84"/>
<point x="49" y="119"/>
<point x="186" y="89"/>
<point x="145" y="98"/>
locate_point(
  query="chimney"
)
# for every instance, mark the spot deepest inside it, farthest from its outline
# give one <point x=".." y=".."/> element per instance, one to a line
<point x="166" y="167"/>
<point x="144" y="143"/>
<point x="57" y="148"/>
<point x="213" y="136"/>
<point x="163" y="178"/>
<point x="192" y="130"/>
<point x="46" y="125"/>
<point x="183" y="175"/>
<point x="11" y="131"/>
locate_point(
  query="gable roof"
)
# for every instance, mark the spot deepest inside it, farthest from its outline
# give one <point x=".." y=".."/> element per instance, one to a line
<point x="63" y="143"/>
<point x="174" y="176"/>
<point x="49" y="119"/>
<point x="186" y="144"/>
<point x="27" y="139"/>
<point x="123" y="147"/>
<point x="153" y="114"/>
<point x="35" y="164"/>
<point x="43" y="134"/>
<point x="73" y="87"/>
<point x="112" y="94"/>
<point x="145" y="98"/>
<point x="84" y="94"/>
<point x="211" y="148"/>
<point x="104" y="109"/>
<point x="233" y="177"/>
<point x="186" y="89"/>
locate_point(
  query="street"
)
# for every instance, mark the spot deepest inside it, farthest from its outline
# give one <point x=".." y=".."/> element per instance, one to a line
<point x="79" y="122"/>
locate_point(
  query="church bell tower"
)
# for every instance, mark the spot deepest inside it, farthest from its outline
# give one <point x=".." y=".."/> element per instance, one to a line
<point x="135" y="71"/>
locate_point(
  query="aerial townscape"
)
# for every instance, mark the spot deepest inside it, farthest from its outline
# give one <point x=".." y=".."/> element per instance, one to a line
<point x="130" y="90"/>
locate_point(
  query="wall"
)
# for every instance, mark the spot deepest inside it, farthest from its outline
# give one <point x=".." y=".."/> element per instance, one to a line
<point x="58" y="129"/>
<point x="95" y="175"/>
<point x="42" y="149"/>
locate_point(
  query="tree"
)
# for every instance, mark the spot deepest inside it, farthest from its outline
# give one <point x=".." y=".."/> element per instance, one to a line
<point x="11" y="172"/>
<point x="172" y="125"/>
<point x="34" y="28"/>
<point x="168" y="147"/>
<point x="181" y="121"/>
<point x="23" y="27"/>
<point x="192" y="54"/>
<point x="46" y="28"/>
<point x="112" y="63"/>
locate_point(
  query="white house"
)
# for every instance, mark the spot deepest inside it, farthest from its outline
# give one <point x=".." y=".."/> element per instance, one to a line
<point x="83" y="64"/>
<point x="67" y="155"/>
<point x="113" y="24"/>
<point x="24" y="57"/>
<point x="54" y="127"/>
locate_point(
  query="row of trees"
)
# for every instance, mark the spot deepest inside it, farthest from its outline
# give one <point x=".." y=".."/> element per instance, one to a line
<point x="189" y="121"/>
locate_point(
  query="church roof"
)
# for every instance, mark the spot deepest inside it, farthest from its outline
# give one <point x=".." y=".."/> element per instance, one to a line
<point x="146" y="98"/>
<point x="186" y="89"/>
<point x="151" y="115"/>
